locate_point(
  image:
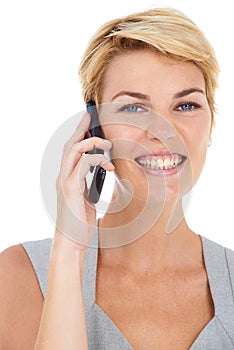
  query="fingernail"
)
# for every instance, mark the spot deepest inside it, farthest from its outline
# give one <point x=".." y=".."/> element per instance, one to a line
<point x="110" y="166"/>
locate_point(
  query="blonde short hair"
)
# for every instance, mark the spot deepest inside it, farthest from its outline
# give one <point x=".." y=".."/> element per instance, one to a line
<point x="164" y="30"/>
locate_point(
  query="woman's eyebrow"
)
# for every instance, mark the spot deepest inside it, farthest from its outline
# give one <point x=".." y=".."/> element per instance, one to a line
<point x="132" y="94"/>
<point x="186" y="92"/>
<point x="145" y="97"/>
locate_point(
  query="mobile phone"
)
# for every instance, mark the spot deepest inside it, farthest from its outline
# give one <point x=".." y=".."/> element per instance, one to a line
<point x="99" y="175"/>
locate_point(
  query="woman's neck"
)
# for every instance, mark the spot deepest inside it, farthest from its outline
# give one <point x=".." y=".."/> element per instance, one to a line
<point x="148" y="239"/>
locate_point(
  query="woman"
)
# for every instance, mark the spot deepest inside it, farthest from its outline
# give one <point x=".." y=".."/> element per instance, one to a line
<point x="141" y="279"/>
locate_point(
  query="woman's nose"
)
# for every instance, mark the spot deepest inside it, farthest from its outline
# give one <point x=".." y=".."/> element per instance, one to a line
<point x="160" y="127"/>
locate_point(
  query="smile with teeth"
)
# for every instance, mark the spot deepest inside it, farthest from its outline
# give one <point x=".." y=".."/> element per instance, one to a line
<point x="161" y="162"/>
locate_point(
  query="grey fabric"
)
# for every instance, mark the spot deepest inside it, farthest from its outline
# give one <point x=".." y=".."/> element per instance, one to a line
<point x="103" y="334"/>
<point x="39" y="255"/>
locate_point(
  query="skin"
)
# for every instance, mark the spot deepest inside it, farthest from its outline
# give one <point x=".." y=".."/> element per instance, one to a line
<point x="161" y="81"/>
<point x="171" y="260"/>
<point x="171" y="302"/>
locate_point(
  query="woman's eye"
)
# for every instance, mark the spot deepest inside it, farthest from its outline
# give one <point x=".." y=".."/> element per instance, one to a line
<point x="132" y="108"/>
<point x="188" y="106"/>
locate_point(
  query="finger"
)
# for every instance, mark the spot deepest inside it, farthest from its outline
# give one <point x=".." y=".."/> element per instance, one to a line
<point x="82" y="169"/>
<point x="79" y="133"/>
<point x="73" y="155"/>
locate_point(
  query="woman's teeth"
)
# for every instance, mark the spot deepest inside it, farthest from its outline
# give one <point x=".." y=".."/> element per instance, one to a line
<point x="160" y="163"/>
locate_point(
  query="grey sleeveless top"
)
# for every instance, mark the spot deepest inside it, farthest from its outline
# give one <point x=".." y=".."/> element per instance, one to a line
<point x="103" y="334"/>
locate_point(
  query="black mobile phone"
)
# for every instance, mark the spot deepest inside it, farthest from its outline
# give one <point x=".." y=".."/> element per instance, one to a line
<point x="99" y="175"/>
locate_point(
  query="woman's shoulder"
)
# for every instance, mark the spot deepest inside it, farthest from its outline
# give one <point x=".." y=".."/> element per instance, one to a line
<point x="219" y="261"/>
<point x="20" y="298"/>
<point x="210" y="246"/>
<point x="218" y="252"/>
<point x="15" y="268"/>
<point x="38" y="253"/>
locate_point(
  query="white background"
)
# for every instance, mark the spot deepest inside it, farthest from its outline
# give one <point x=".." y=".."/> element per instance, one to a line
<point x="41" y="46"/>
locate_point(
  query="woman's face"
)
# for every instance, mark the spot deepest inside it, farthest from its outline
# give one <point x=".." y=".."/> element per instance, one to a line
<point x="159" y="121"/>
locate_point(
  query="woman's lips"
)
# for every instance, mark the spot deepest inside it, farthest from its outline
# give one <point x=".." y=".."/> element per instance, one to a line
<point x="163" y="163"/>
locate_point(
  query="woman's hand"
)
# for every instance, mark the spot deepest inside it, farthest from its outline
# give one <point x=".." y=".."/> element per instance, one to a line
<point x="76" y="216"/>
<point x="63" y="324"/>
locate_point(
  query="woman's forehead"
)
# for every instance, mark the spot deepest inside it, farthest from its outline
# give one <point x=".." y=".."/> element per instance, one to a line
<point x="145" y="71"/>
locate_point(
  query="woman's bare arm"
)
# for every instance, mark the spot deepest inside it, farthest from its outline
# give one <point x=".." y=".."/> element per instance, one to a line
<point x="63" y="323"/>
<point x="60" y="324"/>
